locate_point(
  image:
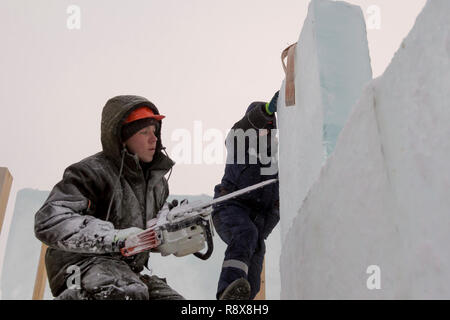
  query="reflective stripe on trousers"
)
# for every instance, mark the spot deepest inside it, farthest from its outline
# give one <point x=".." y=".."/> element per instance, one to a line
<point x="235" y="264"/>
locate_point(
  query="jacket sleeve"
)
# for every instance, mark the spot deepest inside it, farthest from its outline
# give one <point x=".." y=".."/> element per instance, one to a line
<point x="64" y="221"/>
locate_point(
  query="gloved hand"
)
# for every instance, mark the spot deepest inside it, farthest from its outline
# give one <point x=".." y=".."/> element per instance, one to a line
<point x="122" y="235"/>
<point x="271" y="107"/>
<point x="175" y="203"/>
<point x="172" y="204"/>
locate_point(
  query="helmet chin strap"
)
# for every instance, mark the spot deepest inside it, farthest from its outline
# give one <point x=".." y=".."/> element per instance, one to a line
<point x="170" y="173"/>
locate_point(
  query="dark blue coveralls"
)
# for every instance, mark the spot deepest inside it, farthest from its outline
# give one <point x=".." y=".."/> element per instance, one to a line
<point x="243" y="223"/>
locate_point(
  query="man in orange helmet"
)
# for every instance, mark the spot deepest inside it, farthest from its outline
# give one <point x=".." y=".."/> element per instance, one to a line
<point x="104" y="199"/>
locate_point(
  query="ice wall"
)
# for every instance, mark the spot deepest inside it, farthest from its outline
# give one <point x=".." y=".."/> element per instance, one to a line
<point x="383" y="196"/>
<point x="332" y="65"/>
<point x="23" y="249"/>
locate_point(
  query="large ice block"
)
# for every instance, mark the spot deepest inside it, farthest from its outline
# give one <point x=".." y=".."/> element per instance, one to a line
<point x="332" y="65"/>
<point x="382" y="198"/>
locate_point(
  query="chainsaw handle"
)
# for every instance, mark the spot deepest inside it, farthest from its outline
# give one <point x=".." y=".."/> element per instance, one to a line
<point x="209" y="240"/>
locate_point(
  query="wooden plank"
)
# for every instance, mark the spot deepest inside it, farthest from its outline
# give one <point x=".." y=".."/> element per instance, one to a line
<point x="5" y="187"/>
<point x="262" y="291"/>
<point x="289" y="95"/>
<point x="41" y="276"/>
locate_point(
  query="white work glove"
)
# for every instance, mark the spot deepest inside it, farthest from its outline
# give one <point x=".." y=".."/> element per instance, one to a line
<point x="122" y="235"/>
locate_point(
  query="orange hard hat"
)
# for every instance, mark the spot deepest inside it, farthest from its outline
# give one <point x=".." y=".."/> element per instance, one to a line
<point x="142" y="113"/>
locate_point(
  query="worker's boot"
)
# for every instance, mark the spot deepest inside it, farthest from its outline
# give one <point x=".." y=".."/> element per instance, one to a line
<point x="238" y="290"/>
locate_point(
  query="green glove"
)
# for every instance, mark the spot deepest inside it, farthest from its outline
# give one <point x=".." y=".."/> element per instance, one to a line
<point x="271" y="106"/>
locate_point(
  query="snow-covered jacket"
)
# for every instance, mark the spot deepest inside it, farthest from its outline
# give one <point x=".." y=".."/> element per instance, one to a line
<point x="86" y="208"/>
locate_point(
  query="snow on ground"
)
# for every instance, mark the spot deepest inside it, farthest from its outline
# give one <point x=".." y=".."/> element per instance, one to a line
<point x="382" y="197"/>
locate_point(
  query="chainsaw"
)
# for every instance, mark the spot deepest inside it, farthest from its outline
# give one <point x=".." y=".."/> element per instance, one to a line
<point x="183" y="229"/>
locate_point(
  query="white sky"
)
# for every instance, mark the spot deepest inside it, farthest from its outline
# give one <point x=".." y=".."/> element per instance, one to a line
<point x="200" y="60"/>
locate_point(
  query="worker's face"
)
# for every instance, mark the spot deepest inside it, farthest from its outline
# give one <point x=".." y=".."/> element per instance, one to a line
<point x="143" y="143"/>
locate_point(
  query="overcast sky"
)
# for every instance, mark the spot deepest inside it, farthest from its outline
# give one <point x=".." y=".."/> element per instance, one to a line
<point x="197" y="60"/>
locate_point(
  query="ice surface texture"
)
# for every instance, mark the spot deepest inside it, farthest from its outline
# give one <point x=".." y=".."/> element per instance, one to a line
<point x="383" y="196"/>
<point x="332" y="66"/>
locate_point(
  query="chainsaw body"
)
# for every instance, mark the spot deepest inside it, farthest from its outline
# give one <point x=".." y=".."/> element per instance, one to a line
<point x="186" y="236"/>
<point x="182" y="230"/>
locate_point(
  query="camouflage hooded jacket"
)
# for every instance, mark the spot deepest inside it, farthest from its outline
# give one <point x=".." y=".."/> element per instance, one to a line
<point x="73" y="220"/>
